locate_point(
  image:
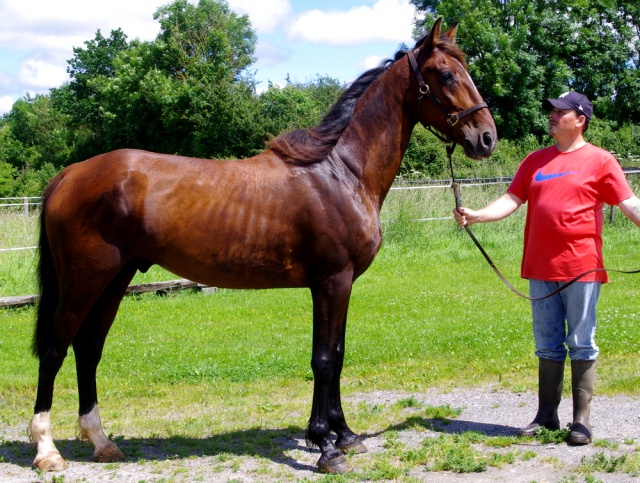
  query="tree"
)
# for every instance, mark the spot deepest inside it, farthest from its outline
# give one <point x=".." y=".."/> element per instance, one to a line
<point x="36" y="134"/>
<point x="297" y="105"/>
<point x="208" y="41"/>
<point x="189" y="91"/>
<point x="81" y="99"/>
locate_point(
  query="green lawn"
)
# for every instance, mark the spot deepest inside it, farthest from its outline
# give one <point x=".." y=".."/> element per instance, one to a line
<point x="429" y="313"/>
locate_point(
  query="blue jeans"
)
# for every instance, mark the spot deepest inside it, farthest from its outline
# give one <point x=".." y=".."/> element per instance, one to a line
<point x="575" y="306"/>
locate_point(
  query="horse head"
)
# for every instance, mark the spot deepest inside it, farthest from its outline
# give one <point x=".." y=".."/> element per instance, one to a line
<point x="448" y="99"/>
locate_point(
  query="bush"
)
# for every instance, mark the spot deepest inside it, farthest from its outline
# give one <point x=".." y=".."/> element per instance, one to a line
<point x="623" y="141"/>
<point x="425" y="156"/>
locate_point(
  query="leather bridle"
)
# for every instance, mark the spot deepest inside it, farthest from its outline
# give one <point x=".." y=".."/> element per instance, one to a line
<point x="452" y="117"/>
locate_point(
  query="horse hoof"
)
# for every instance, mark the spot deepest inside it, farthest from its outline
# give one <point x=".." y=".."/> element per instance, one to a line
<point x="108" y="454"/>
<point x="335" y="466"/>
<point x="50" y="462"/>
<point x="356" y="445"/>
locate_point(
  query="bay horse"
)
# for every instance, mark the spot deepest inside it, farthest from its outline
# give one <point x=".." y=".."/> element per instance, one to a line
<point x="303" y="213"/>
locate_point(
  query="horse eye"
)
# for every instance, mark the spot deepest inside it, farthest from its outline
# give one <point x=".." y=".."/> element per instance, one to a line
<point x="446" y="77"/>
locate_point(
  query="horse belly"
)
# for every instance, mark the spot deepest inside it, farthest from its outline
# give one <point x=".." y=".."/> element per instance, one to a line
<point x="230" y="266"/>
<point x="228" y="250"/>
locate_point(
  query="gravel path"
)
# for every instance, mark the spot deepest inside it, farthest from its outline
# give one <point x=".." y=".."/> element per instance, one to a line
<point x="495" y="413"/>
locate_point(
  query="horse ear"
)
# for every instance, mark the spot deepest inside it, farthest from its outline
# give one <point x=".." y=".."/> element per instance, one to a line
<point x="434" y="35"/>
<point x="451" y="33"/>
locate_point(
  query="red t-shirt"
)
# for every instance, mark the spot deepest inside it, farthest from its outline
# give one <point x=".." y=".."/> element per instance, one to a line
<point x="566" y="193"/>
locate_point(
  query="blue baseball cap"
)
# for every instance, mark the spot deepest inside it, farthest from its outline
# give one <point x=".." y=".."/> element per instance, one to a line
<point x="571" y="100"/>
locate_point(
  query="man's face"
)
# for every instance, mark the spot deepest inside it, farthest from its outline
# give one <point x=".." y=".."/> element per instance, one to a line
<point x="564" y="121"/>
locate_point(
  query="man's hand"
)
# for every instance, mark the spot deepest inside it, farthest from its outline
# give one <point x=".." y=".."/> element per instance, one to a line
<point x="465" y="216"/>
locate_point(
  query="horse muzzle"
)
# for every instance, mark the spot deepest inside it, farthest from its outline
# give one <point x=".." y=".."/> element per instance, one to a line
<point x="481" y="144"/>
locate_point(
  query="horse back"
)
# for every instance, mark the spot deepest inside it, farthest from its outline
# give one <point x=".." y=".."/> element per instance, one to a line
<point x="254" y="223"/>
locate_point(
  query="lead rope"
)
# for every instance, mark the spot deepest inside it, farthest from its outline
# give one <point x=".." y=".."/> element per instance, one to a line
<point x="455" y="186"/>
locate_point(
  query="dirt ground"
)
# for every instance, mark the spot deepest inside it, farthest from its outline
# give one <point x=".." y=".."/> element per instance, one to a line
<point x="495" y="413"/>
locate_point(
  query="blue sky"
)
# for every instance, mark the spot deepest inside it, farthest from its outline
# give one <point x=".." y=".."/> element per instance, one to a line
<point x="299" y="38"/>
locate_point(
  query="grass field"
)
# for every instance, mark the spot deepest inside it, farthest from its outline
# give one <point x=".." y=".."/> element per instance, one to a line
<point x="428" y="313"/>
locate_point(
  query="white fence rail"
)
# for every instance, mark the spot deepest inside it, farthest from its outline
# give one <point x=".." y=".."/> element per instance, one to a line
<point x="30" y="203"/>
<point x="25" y="202"/>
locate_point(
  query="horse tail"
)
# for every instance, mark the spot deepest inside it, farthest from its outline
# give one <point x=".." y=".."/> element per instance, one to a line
<point x="47" y="279"/>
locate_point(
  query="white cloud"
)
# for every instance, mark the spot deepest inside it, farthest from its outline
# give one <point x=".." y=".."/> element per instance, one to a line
<point x="33" y="24"/>
<point x="41" y="75"/>
<point x="6" y="102"/>
<point x="265" y="15"/>
<point x="269" y="53"/>
<point x="37" y="38"/>
<point x="373" y="61"/>
<point x="386" y="20"/>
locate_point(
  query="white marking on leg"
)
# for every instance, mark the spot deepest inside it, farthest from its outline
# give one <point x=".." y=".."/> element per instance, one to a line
<point x="48" y="457"/>
<point x="91" y="429"/>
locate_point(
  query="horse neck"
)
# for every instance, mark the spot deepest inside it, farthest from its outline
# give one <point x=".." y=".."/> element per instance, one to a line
<point x="379" y="132"/>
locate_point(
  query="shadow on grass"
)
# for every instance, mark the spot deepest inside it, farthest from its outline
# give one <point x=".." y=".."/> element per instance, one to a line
<point x="272" y="444"/>
<point x="454" y="426"/>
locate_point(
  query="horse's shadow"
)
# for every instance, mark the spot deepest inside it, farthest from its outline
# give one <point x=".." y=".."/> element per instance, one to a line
<point x="272" y="444"/>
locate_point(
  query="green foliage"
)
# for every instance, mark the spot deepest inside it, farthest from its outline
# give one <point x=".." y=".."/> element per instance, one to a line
<point x="425" y="156"/>
<point x="35" y="134"/>
<point x="623" y="141"/>
<point x="625" y="463"/>
<point x="442" y="412"/>
<point x="187" y="92"/>
<point x="95" y="61"/>
<point x="8" y="182"/>
<point x="297" y="105"/>
<point x="191" y="91"/>
<point x="449" y="453"/>
<point x="552" y="436"/>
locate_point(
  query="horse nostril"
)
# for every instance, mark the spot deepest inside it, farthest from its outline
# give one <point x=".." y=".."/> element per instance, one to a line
<point x="487" y="139"/>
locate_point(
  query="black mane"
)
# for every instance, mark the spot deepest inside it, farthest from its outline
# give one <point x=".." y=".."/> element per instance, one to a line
<point x="314" y="144"/>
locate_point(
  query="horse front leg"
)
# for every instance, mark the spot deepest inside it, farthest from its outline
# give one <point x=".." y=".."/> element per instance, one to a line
<point x="347" y="440"/>
<point x="330" y="302"/>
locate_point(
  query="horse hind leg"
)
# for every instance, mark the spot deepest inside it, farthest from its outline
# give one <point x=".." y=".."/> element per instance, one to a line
<point x="52" y="350"/>
<point x="48" y="457"/>
<point x="60" y="317"/>
<point x="88" y="345"/>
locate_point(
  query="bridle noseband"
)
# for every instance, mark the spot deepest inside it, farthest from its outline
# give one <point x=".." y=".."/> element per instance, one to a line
<point x="452" y="117"/>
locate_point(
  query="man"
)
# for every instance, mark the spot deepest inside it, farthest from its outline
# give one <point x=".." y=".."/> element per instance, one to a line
<point x="566" y="186"/>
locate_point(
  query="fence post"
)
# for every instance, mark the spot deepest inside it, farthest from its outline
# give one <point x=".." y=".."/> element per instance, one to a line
<point x="26" y="206"/>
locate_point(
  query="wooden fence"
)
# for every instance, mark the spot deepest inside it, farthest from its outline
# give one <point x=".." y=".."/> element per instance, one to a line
<point x="160" y="288"/>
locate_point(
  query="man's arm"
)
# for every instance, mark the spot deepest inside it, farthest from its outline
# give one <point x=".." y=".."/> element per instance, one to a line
<point x="494" y="211"/>
<point x="631" y="209"/>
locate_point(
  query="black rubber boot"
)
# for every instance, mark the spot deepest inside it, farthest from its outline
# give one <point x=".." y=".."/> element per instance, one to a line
<point x="583" y="375"/>
<point x="550" y="376"/>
